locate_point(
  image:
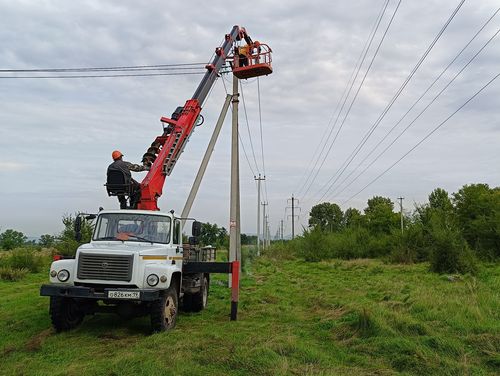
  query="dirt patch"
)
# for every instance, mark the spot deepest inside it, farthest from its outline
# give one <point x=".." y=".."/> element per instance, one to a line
<point x="35" y="343"/>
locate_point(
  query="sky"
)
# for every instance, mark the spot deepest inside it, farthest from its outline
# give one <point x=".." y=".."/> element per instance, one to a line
<point x="56" y="135"/>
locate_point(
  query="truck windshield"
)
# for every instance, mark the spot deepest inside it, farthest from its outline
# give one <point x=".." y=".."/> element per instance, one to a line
<point x="133" y="227"/>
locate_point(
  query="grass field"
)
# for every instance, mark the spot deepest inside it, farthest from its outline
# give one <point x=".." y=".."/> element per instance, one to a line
<point x="357" y="317"/>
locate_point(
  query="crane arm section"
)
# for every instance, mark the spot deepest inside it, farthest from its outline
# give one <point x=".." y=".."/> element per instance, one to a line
<point x="166" y="149"/>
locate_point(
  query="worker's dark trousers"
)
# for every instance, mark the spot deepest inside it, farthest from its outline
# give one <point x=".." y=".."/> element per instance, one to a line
<point x="135" y="193"/>
<point x="135" y="196"/>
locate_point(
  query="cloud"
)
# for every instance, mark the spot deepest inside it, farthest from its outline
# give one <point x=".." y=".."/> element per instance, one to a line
<point x="61" y="132"/>
<point x="12" y="166"/>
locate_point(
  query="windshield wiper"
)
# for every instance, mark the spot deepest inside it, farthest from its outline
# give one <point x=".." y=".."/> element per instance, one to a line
<point x="108" y="238"/>
<point x="141" y="238"/>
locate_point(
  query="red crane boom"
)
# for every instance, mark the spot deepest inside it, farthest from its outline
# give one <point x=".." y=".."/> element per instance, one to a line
<point x="166" y="148"/>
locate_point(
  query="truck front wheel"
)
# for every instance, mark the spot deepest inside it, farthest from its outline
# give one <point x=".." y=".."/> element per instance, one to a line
<point x="164" y="311"/>
<point x="65" y="313"/>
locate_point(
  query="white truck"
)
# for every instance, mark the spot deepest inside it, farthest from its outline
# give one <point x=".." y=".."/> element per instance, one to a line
<point x="135" y="265"/>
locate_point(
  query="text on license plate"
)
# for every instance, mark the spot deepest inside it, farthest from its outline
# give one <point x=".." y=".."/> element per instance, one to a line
<point x="124" y="294"/>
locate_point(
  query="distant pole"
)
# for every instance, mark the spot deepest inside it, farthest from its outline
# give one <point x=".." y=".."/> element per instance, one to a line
<point x="264" y="204"/>
<point x="234" y="214"/>
<point x="293" y="207"/>
<point x="282" y="230"/>
<point x="401" y="212"/>
<point x="259" y="179"/>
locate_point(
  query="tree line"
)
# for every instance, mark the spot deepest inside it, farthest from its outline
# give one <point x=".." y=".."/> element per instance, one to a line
<point x="449" y="231"/>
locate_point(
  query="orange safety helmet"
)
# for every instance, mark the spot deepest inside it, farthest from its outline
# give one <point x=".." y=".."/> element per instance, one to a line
<point x="117" y="154"/>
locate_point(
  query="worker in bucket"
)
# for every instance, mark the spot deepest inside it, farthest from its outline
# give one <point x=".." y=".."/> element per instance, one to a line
<point x="131" y="186"/>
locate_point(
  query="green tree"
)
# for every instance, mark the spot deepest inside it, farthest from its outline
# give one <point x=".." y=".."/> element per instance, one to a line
<point x="211" y="234"/>
<point x="352" y="218"/>
<point x="477" y="207"/>
<point x="380" y="216"/>
<point x="11" y="239"/>
<point x="65" y="241"/>
<point x="47" y="240"/>
<point x="439" y="199"/>
<point x="327" y="216"/>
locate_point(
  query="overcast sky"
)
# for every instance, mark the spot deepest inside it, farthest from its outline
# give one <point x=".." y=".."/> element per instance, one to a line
<point x="56" y="136"/>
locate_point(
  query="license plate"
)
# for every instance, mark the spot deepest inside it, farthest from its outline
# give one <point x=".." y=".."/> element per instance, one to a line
<point x="124" y="294"/>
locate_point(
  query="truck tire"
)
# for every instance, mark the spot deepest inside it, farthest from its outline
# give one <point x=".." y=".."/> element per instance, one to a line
<point x="65" y="313"/>
<point x="198" y="301"/>
<point x="164" y="311"/>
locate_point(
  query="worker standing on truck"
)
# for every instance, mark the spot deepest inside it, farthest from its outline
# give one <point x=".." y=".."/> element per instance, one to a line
<point x="125" y="167"/>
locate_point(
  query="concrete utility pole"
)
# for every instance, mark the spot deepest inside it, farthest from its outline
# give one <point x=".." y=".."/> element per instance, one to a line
<point x="264" y="204"/>
<point x="293" y="207"/>
<point x="259" y="179"/>
<point x="401" y="212"/>
<point x="206" y="159"/>
<point x="234" y="213"/>
<point x="281" y="230"/>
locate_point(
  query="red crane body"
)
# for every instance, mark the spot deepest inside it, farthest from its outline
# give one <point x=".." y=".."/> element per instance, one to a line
<point x="166" y="148"/>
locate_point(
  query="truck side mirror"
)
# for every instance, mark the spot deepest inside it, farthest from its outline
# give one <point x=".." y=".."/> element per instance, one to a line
<point x="78" y="228"/>
<point x="196" y="229"/>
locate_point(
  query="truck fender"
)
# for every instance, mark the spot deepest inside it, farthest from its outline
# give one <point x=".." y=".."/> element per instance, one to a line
<point x="165" y="273"/>
<point x="57" y="266"/>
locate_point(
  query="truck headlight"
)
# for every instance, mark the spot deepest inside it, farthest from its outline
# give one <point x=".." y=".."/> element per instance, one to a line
<point x="63" y="275"/>
<point x="152" y="280"/>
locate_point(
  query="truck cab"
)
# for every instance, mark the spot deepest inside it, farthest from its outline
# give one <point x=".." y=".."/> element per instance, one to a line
<point x="133" y="266"/>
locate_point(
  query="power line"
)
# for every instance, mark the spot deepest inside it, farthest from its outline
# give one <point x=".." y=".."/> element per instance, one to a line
<point x="355" y="95"/>
<point x="414" y="104"/>
<point x="261" y="137"/>
<point x="423" y="139"/>
<point x="421" y="112"/>
<point x="248" y="127"/>
<point x="105" y="75"/>
<point x="88" y="69"/>
<point x="390" y="104"/>
<point x="356" y="69"/>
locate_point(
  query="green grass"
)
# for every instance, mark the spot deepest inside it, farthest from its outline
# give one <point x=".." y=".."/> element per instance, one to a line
<point x="358" y="317"/>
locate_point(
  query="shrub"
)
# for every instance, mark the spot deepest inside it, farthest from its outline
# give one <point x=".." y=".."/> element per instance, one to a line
<point x="281" y="250"/>
<point x="312" y="246"/>
<point x="450" y="252"/>
<point x="24" y="258"/>
<point x="11" y="274"/>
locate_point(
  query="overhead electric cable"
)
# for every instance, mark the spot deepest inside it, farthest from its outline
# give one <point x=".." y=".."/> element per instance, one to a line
<point x="394" y="98"/>
<point x="104" y="76"/>
<point x="248" y="127"/>
<point x="423" y="139"/>
<point x="423" y="110"/>
<point x="359" y="62"/>
<point x="413" y="106"/>
<point x="86" y="69"/>
<point x="355" y="95"/>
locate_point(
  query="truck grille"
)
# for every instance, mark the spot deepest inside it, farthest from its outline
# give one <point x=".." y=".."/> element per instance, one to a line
<point x="105" y="267"/>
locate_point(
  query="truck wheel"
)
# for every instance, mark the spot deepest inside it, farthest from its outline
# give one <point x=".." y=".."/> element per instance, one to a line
<point x="65" y="313"/>
<point x="198" y="301"/>
<point x="164" y="311"/>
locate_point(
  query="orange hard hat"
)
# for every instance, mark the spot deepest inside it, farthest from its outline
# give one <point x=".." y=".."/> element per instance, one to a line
<point x="117" y="154"/>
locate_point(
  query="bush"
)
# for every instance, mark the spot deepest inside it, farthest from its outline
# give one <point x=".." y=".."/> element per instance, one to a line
<point x="281" y="250"/>
<point x="11" y="274"/>
<point x="24" y="258"/>
<point x="450" y="252"/>
<point x="312" y="246"/>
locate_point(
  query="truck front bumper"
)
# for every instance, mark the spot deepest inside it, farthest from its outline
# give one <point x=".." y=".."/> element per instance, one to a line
<point x="81" y="292"/>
